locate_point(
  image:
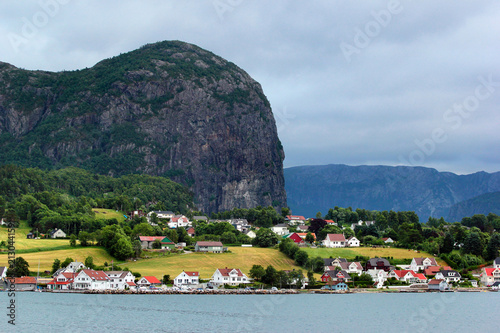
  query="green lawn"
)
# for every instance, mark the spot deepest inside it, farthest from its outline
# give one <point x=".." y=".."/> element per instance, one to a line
<point x="22" y="243"/>
<point x="206" y="263"/>
<point x="102" y="213"/>
<point x="352" y="252"/>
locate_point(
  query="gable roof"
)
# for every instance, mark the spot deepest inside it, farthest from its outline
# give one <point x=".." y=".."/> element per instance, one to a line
<point x="205" y="243"/>
<point x="432" y="270"/>
<point x="335" y="237"/>
<point x="489" y="271"/>
<point x="152" y="279"/>
<point x="374" y="261"/>
<point x="193" y="273"/>
<point x="303" y="227"/>
<point x="25" y="280"/>
<point x="295" y="217"/>
<point x="450" y="273"/>
<point x="96" y="275"/>
<point x="420" y="261"/>
<point x="435" y="281"/>
<point x="335" y="273"/>
<point x="304" y="234"/>
<point x="281" y="225"/>
<point x="151" y="238"/>
<point x="226" y="271"/>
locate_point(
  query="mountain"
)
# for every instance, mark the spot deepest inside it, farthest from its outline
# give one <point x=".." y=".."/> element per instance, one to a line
<point x="167" y="109"/>
<point x="482" y="204"/>
<point x="426" y="191"/>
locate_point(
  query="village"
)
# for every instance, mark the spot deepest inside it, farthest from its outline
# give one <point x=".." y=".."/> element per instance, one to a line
<point x="339" y="274"/>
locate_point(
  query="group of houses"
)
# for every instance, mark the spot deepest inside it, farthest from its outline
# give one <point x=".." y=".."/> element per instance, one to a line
<point x="420" y="271"/>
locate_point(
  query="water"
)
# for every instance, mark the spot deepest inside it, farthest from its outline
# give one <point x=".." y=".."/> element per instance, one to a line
<point x="428" y="312"/>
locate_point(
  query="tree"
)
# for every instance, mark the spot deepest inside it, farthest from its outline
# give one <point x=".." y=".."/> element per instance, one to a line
<point x="19" y="267"/>
<point x="257" y="272"/>
<point x="156" y="244"/>
<point x="2" y="207"/>
<point x="143" y="229"/>
<point x="166" y="279"/>
<point x="89" y="262"/>
<point x="84" y="238"/>
<point x="123" y="249"/>
<point x="228" y="237"/>
<point x="285" y="211"/>
<point x="309" y="238"/>
<point x="301" y="257"/>
<point x="72" y="240"/>
<point x="317" y="225"/>
<point x="66" y="262"/>
<point x="270" y="276"/>
<point x="448" y="243"/>
<point x="493" y="247"/>
<point x="137" y="247"/>
<point x="154" y="218"/>
<point x="55" y="266"/>
<point x="319" y="215"/>
<point x="265" y="238"/>
<point x="310" y="277"/>
<point x="473" y="244"/>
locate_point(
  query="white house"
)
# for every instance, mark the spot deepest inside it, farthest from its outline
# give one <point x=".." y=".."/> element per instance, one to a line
<point x="334" y="240"/>
<point x="409" y="276"/>
<point x="388" y="240"/>
<point x="251" y="234"/>
<point x="57" y="233"/>
<point x="420" y="264"/>
<point x="352" y="267"/>
<point x="449" y="276"/>
<point x="148" y="281"/>
<point x="90" y="279"/>
<point x="62" y="281"/>
<point x="496" y="263"/>
<point x="438" y="285"/>
<point x="179" y="221"/>
<point x="187" y="278"/>
<point x="161" y="214"/>
<point x="74" y="267"/>
<point x="280" y="229"/>
<point x="230" y="276"/>
<point x="295" y="220"/>
<point x="489" y="276"/>
<point x="352" y="241"/>
<point x="121" y="280"/>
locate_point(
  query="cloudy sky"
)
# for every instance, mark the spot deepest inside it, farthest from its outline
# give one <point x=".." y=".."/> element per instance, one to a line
<point x="378" y="82"/>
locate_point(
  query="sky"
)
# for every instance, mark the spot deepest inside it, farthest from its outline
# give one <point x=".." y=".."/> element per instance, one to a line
<point x="349" y="82"/>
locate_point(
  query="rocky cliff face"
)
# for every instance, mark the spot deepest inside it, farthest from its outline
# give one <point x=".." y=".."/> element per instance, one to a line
<point x="426" y="191"/>
<point x="169" y="108"/>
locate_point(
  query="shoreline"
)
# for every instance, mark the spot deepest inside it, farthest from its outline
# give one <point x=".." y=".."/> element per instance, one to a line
<point x="262" y="292"/>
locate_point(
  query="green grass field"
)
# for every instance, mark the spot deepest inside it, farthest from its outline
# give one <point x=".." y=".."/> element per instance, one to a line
<point x="207" y="263"/>
<point x="106" y="214"/>
<point x="22" y="243"/>
<point x="351" y="253"/>
<point x="46" y="258"/>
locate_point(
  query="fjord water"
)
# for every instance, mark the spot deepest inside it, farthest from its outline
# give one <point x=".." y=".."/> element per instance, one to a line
<point x="428" y="312"/>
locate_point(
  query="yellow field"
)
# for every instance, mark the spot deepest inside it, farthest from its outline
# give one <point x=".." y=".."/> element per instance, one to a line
<point x="207" y="263"/>
<point x="352" y="252"/>
<point x="102" y="213"/>
<point x="47" y="257"/>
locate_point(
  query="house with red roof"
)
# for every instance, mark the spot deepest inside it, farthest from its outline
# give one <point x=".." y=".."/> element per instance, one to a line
<point x="187" y="279"/>
<point x="88" y="279"/>
<point x="489" y="276"/>
<point x="148" y="282"/>
<point x="62" y="281"/>
<point x="295" y="220"/>
<point x="191" y="232"/>
<point x="387" y="240"/>
<point x="178" y="221"/>
<point x="296" y="238"/>
<point x="334" y="240"/>
<point x="147" y="242"/>
<point x="229" y="276"/>
<point x="409" y="276"/>
<point x="25" y="283"/>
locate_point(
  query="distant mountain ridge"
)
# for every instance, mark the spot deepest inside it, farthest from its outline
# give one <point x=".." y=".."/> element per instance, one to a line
<point x="426" y="191"/>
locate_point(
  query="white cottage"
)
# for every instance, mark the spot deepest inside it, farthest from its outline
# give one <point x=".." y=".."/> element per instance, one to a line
<point x="353" y="242"/>
<point x="334" y="240"/>
<point x="91" y="280"/>
<point x="420" y="264"/>
<point x="187" y="279"/>
<point x="230" y="276"/>
<point x="121" y="280"/>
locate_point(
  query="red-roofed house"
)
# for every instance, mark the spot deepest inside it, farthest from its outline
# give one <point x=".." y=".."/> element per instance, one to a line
<point x="303" y="235"/>
<point x="90" y="279"/>
<point x="334" y="240"/>
<point x="191" y="232"/>
<point x="296" y="238"/>
<point x="230" y="276"/>
<point x="489" y="276"/>
<point x="148" y="282"/>
<point x="25" y="283"/>
<point x="295" y="219"/>
<point x="179" y="221"/>
<point x="187" y="278"/>
<point x="63" y="281"/>
<point x="409" y="276"/>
